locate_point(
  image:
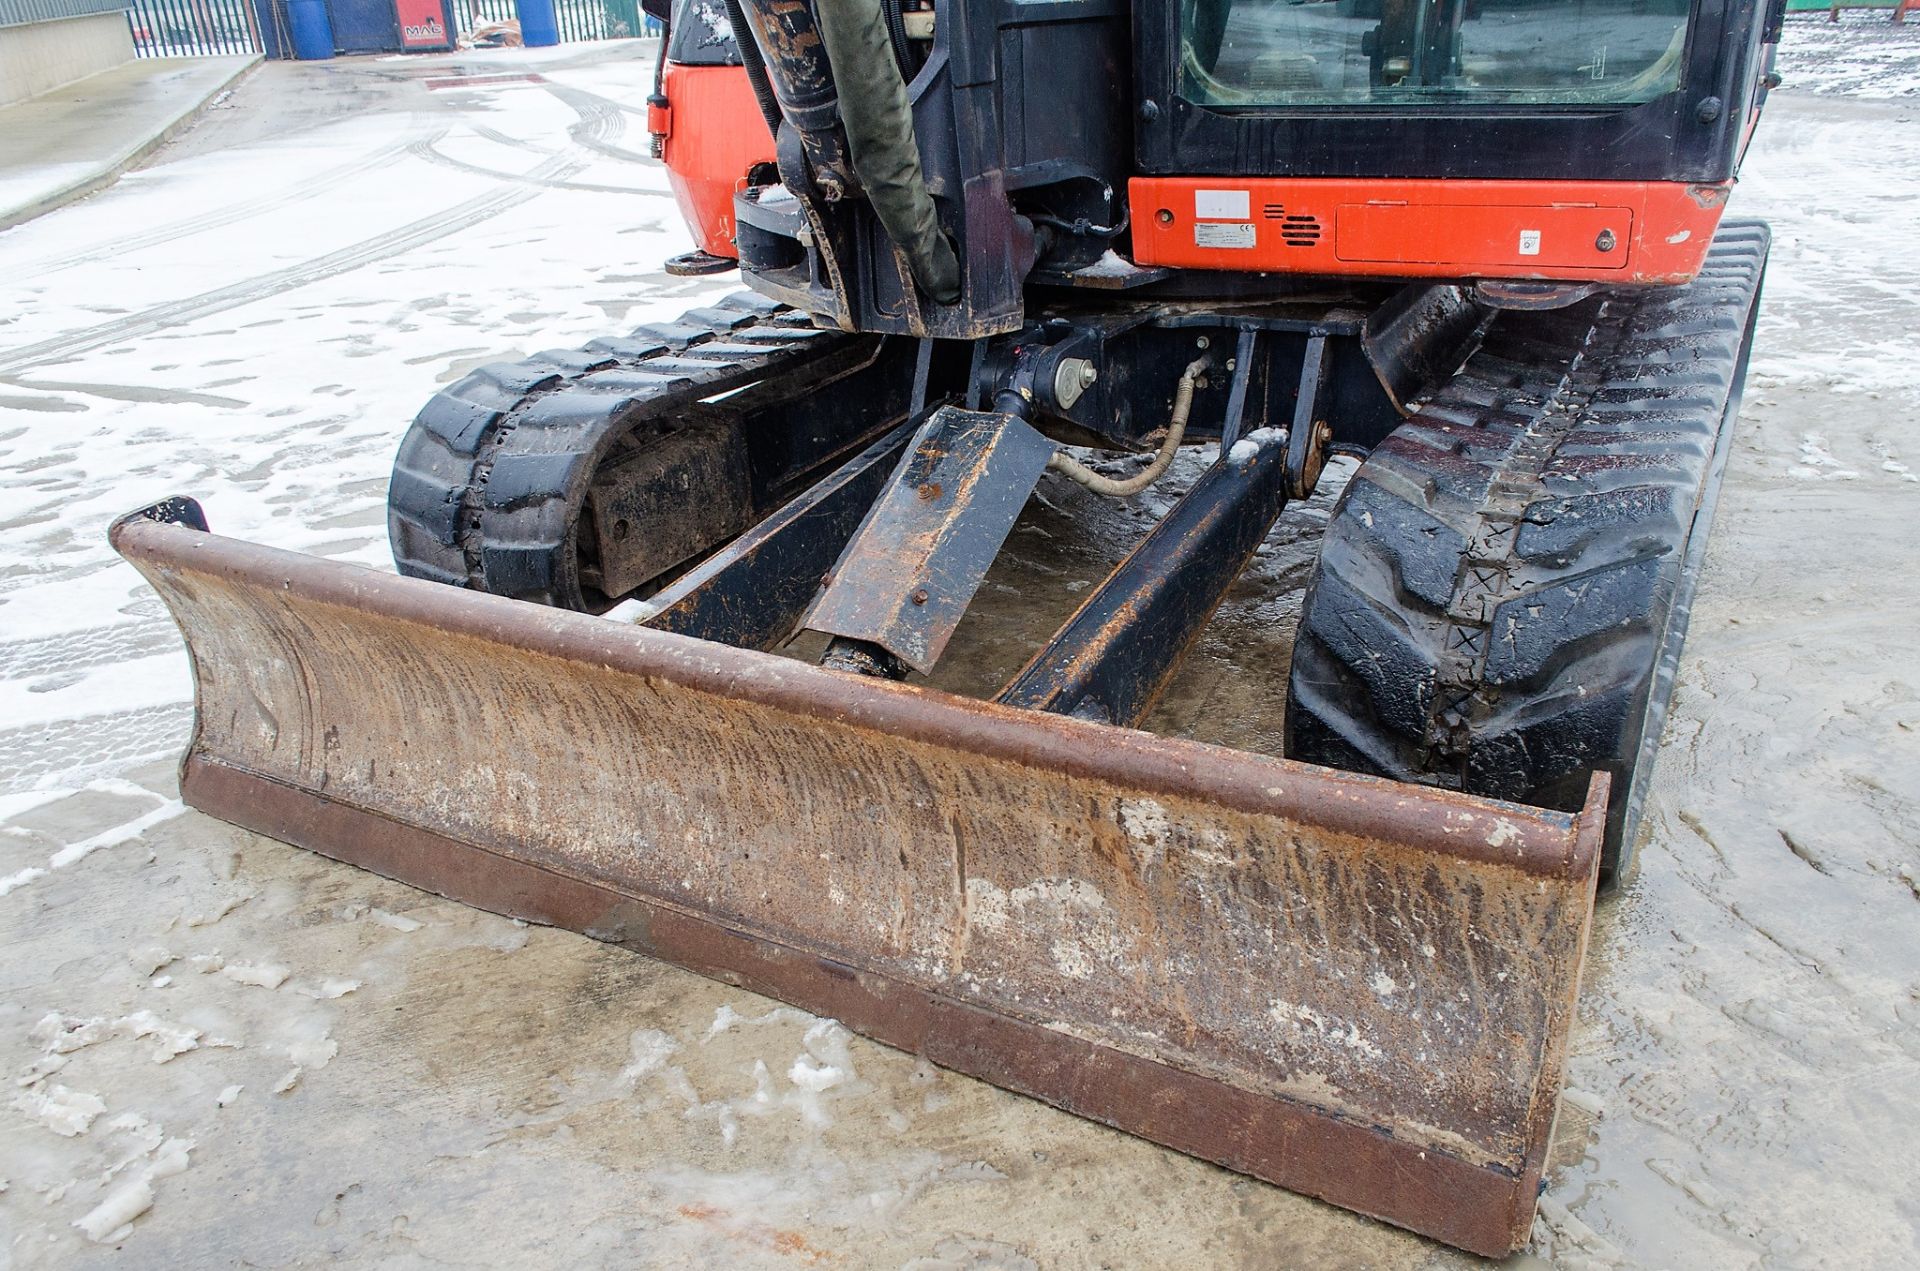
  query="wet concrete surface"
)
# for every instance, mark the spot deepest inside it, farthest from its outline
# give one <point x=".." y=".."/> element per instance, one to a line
<point x="297" y="1063"/>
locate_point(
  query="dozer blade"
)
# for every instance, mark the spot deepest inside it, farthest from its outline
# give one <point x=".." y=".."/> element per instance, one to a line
<point x="1352" y="988"/>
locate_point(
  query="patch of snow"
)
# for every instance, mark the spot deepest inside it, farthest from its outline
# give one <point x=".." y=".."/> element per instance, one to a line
<point x="326" y="990"/>
<point x="62" y="1034"/>
<point x="632" y="611"/>
<point x="149" y="958"/>
<point x="169" y="1041"/>
<point x="1110" y="265"/>
<point x="648" y="1050"/>
<point x="1861" y="55"/>
<point x="313" y="1053"/>
<point x="399" y="922"/>
<point x="74" y="853"/>
<point x="110" y="1220"/>
<point x="68" y="1113"/>
<point x="266" y="975"/>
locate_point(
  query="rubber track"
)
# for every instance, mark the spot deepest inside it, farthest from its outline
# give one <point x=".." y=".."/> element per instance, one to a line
<point x="490" y="478"/>
<point x="1500" y="577"/>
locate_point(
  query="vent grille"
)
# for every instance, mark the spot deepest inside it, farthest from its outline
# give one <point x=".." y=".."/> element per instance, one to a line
<point x="1297" y="229"/>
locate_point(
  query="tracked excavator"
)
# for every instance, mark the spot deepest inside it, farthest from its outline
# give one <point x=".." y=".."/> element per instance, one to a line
<point x="995" y="246"/>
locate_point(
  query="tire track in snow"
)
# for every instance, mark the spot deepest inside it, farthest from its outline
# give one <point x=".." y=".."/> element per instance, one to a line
<point x="94" y="743"/>
<point x="356" y="256"/>
<point x="425" y="150"/>
<point x="229" y="215"/>
<point x="84" y="650"/>
<point x="597" y="123"/>
<point x="601" y="121"/>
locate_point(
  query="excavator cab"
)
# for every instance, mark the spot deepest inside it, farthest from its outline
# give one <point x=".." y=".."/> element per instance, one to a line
<point x="655" y="668"/>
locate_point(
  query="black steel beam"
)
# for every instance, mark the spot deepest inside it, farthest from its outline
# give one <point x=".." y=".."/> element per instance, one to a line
<point x="1115" y="656"/>
<point x="751" y="593"/>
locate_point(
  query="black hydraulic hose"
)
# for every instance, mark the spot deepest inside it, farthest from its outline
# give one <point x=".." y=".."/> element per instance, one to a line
<point x="754" y="65"/>
<point x="1083" y="226"/>
<point x="879" y="124"/>
<point x="895" y="11"/>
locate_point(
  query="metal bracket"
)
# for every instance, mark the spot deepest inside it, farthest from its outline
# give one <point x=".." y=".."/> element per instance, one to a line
<point x="1237" y="391"/>
<point x="1307" y="440"/>
<point x="910" y="572"/>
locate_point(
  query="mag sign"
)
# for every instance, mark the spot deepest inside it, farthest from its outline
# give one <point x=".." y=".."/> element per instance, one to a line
<point x="423" y="24"/>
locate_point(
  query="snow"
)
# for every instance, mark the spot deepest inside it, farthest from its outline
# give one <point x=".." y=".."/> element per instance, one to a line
<point x="73" y="853"/>
<point x="399" y="922"/>
<point x="265" y="975"/>
<point x="1862" y="55"/>
<point x="109" y="1221"/>
<point x="253" y="325"/>
<point x="65" y="1112"/>
<point x="1110" y="265"/>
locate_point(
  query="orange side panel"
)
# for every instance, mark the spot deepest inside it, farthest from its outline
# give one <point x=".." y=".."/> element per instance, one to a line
<point x="1557" y="231"/>
<point x="714" y="134"/>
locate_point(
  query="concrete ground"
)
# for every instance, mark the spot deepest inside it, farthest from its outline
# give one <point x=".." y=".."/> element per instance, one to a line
<point x="224" y="1051"/>
<point x="67" y="143"/>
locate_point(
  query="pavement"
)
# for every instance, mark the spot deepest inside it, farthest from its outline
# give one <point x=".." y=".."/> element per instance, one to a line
<point x="67" y="143"/>
<point x="220" y="1050"/>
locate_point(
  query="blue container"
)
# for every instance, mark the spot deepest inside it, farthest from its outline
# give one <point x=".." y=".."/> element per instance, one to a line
<point x="538" y="26"/>
<point x="312" y="29"/>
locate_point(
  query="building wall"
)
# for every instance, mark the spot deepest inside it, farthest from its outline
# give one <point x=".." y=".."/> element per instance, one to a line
<point x="38" y="56"/>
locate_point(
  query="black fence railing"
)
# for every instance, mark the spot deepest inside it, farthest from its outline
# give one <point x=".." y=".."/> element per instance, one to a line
<point x="192" y="28"/>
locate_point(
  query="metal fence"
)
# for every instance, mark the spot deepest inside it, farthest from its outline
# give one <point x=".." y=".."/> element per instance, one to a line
<point x="192" y="28"/>
<point x="577" y="19"/>
<point x="21" y="12"/>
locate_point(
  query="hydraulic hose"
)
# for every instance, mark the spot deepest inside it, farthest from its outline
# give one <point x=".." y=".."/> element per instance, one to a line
<point x="1176" y="429"/>
<point x="879" y="124"/>
<point x="657" y="142"/>
<point x="754" y="65"/>
<point x="897" y="33"/>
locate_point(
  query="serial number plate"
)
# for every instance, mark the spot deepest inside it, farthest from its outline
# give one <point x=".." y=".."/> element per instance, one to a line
<point x="1223" y="236"/>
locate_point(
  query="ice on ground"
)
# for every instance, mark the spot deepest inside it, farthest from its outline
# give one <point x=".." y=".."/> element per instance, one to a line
<point x="149" y="958"/>
<point x="73" y="853"/>
<point x="327" y="990"/>
<point x="68" y="1113"/>
<point x="314" y="1052"/>
<point x="62" y="1034"/>
<point x="725" y="1019"/>
<point x="112" y="1218"/>
<point x="648" y="1050"/>
<point x="266" y="975"/>
<point x="399" y="922"/>
<point x="169" y="1040"/>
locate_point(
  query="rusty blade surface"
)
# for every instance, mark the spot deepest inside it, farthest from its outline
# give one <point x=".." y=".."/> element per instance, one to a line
<point x="1353" y="988"/>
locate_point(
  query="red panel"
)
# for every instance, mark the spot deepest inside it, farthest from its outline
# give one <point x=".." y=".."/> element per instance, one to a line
<point x="714" y="132"/>
<point x="1611" y="231"/>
